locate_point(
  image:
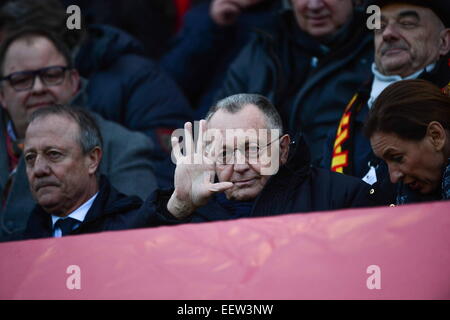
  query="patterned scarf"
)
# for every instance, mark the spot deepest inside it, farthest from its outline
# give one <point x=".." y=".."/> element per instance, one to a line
<point x="342" y="157"/>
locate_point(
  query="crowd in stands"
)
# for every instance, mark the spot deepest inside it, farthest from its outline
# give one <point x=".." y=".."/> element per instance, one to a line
<point x="145" y="116"/>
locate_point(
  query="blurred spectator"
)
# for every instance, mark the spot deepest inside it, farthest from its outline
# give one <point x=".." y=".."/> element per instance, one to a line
<point x="212" y="35"/>
<point x="308" y="65"/>
<point x="413" y="42"/>
<point x="409" y="128"/>
<point x="37" y="71"/>
<point x="118" y="82"/>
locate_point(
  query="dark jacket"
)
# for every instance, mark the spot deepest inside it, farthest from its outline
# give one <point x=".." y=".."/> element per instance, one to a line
<point x="127" y="88"/>
<point x="360" y="150"/>
<point x="111" y="210"/>
<point x="296" y="188"/>
<point x="309" y="83"/>
<point x="126" y="161"/>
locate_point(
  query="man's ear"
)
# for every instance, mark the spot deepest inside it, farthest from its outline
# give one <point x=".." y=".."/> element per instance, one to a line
<point x="74" y="79"/>
<point x="436" y="135"/>
<point x="444" y="42"/>
<point x="93" y="160"/>
<point x="285" y="141"/>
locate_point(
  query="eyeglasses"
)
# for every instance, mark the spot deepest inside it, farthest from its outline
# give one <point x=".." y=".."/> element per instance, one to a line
<point x="24" y="80"/>
<point x="250" y="152"/>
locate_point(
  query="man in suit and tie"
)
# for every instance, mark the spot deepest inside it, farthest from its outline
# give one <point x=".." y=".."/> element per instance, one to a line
<point x="37" y="71"/>
<point x="62" y="152"/>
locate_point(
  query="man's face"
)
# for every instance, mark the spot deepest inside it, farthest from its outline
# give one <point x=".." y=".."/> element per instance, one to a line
<point x="410" y="38"/>
<point x="61" y="177"/>
<point x="27" y="55"/>
<point x="321" y="18"/>
<point x="244" y="173"/>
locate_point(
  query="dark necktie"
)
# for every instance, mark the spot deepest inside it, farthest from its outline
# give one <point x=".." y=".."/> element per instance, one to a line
<point x="66" y="225"/>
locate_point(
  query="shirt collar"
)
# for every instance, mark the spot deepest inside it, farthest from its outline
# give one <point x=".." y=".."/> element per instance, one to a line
<point x="80" y="213"/>
<point x="381" y="81"/>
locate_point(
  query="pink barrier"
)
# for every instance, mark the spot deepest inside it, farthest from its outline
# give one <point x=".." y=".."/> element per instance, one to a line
<point x="313" y="256"/>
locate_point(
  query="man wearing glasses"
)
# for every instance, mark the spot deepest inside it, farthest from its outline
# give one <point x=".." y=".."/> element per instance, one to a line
<point x="224" y="176"/>
<point x="36" y="72"/>
<point x="28" y="90"/>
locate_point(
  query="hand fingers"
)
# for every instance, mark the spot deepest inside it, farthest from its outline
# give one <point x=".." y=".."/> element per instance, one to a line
<point x="225" y="5"/>
<point x="220" y="186"/>
<point x="249" y="3"/>
<point x="201" y="132"/>
<point x="188" y="140"/>
<point x="215" y="146"/>
<point x="225" y="12"/>
<point x="238" y="4"/>
<point x="230" y="14"/>
<point x="176" y="151"/>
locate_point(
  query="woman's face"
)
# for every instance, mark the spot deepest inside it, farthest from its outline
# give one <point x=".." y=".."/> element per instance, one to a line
<point x="419" y="164"/>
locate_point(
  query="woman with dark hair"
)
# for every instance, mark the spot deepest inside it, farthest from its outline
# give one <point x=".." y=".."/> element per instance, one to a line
<point x="409" y="128"/>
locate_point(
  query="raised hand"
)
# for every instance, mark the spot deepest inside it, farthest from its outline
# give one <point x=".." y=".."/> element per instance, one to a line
<point x="226" y="12"/>
<point x="194" y="174"/>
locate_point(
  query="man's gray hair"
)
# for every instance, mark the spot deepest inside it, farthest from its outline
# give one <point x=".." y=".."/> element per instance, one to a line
<point x="89" y="136"/>
<point x="237" y="102"/>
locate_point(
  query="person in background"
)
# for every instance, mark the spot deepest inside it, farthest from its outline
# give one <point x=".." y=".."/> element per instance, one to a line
<point x="409" y="128"/>
<point x="117" y="80"/>
<point x="62" y="152"/>
<point x="36" y="71"/>
<point x="150" y="22"/>
<point x="413" y="42"/>
<point x="212" y="34"/>
<point x="308" y="65"/>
